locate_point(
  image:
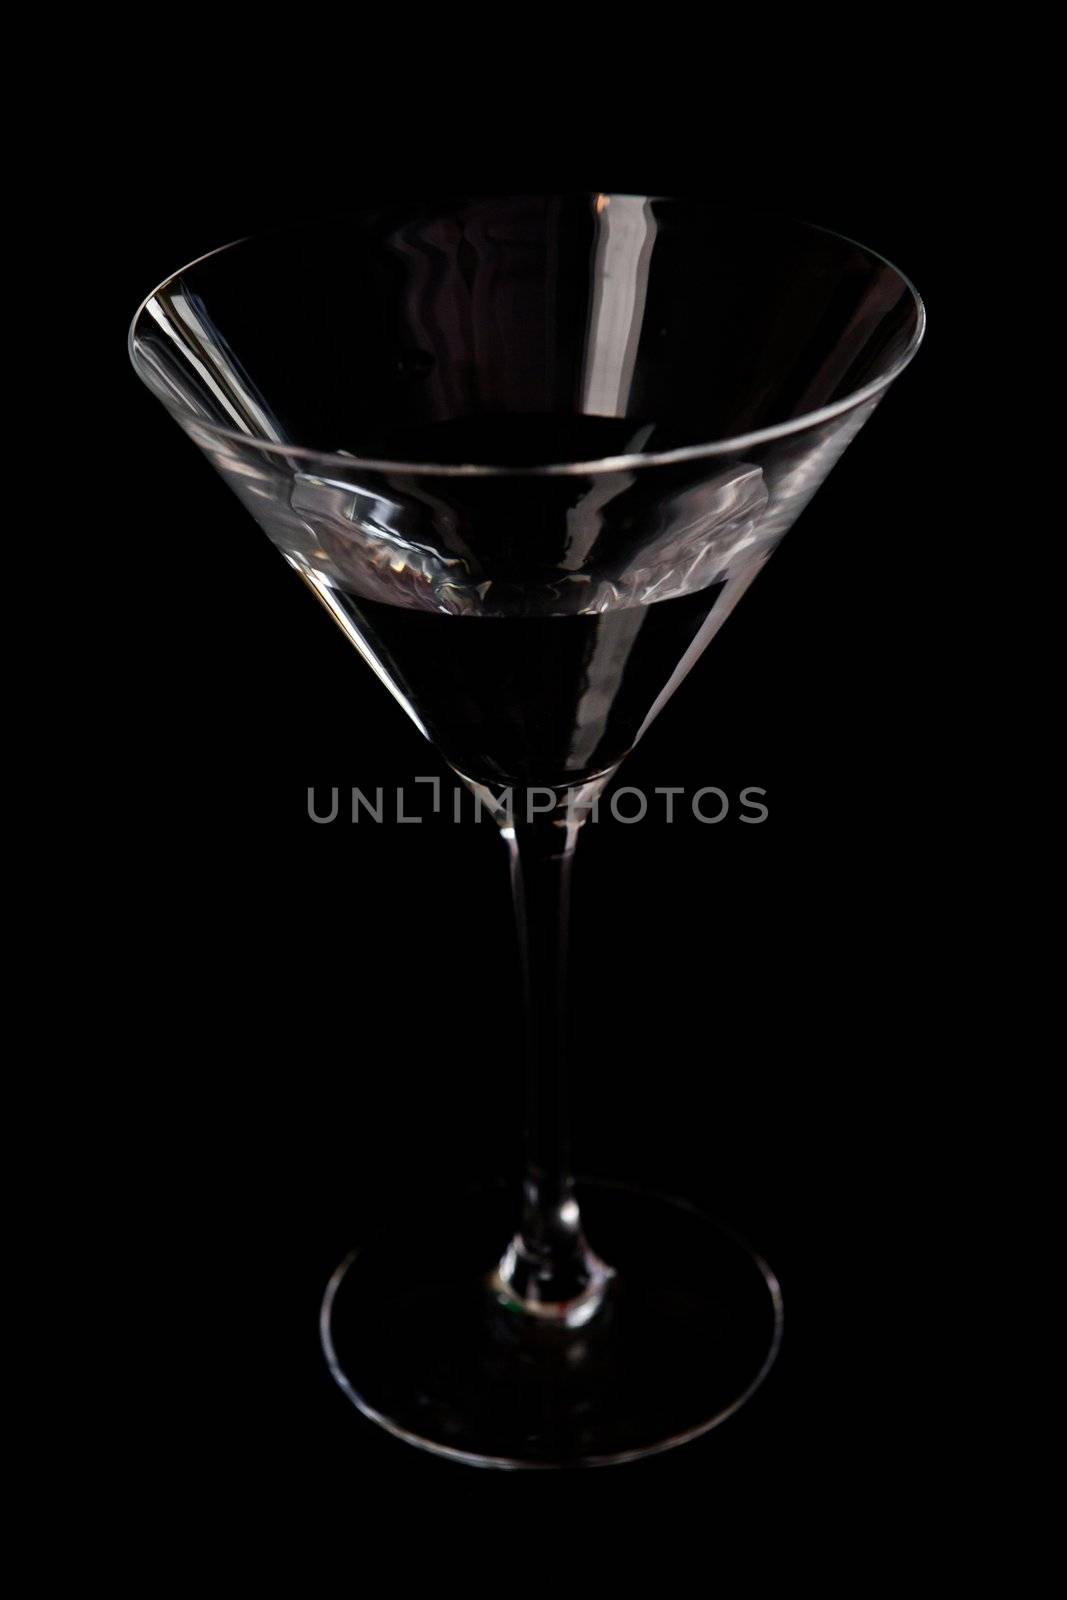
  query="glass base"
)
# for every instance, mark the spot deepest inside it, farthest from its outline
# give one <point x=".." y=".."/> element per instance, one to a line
<point x="420" y="1341"/>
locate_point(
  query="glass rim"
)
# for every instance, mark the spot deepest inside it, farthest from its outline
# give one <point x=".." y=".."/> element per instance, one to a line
<point x="601" y="465"/>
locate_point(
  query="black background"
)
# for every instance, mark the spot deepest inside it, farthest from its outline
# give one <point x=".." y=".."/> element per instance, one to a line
<point x="308" y="1019"/>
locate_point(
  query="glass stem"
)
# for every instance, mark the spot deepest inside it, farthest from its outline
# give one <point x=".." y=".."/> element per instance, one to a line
<point x="548" y="1269"/>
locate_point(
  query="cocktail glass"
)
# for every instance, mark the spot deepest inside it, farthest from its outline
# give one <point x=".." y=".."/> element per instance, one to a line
<point x="529" y="453"/>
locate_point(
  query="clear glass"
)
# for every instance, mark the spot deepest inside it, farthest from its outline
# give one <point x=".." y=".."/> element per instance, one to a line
<point x="529" y="453"/>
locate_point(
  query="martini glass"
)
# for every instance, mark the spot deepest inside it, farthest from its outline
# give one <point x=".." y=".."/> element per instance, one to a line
<point x="529" y="453"/>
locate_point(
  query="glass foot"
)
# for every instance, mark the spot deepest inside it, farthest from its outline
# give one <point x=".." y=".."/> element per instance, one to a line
<point x="419" y="1339"/>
